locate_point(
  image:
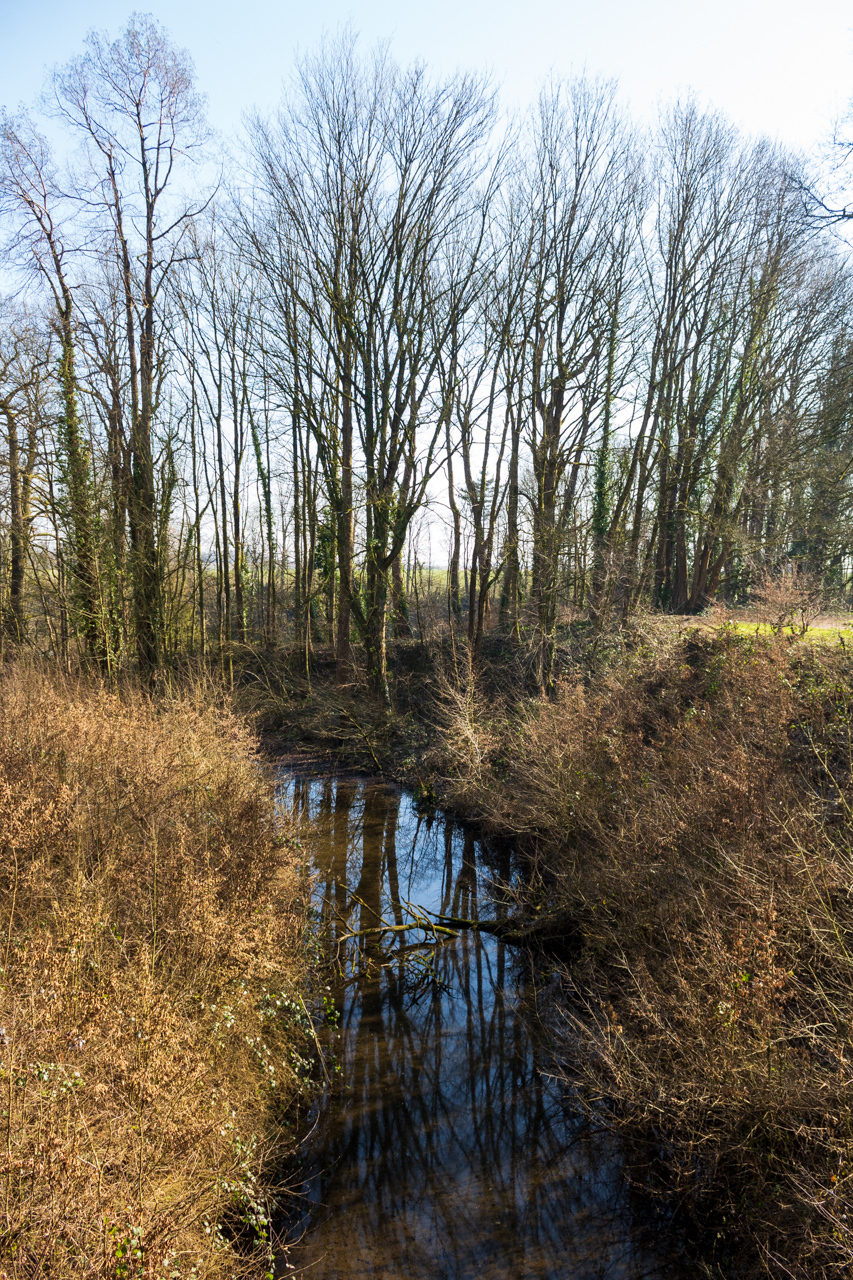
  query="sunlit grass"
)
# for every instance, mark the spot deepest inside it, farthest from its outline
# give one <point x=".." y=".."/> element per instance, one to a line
<point x="814" y="635"/>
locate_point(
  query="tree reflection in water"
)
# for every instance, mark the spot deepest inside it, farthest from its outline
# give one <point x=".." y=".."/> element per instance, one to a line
<point x="447" y="1153"/>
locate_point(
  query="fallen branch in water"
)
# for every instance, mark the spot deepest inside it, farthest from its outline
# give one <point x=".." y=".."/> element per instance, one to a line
<point x="419" y="921"/>
<point x="426" y="925"/>
<point x="507" y="930"/>
<point x="553" y="930"/>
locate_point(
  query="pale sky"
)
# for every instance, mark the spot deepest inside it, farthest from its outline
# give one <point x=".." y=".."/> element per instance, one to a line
<point x="783" y="67"/>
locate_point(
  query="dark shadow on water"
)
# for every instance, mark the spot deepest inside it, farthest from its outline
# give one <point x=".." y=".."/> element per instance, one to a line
<point x="446" y="1152"/>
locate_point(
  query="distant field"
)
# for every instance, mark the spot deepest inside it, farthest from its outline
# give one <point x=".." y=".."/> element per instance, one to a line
<point x="820" y="633"/>
<point x="823" y="631"/>
<point x="831" y="629"/>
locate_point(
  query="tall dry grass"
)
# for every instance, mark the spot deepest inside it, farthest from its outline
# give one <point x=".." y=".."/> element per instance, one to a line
<point x="691" y="809"/>
<point x="152" y="955"/>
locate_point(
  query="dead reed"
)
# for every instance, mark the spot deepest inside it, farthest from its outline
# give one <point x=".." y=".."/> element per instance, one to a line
<point x="152" y="952"/>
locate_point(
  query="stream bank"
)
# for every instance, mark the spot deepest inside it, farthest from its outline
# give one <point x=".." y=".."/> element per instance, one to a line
<point x="685" y="810"/>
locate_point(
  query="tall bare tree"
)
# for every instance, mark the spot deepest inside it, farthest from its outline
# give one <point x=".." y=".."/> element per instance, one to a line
<point x="133" y="103"/>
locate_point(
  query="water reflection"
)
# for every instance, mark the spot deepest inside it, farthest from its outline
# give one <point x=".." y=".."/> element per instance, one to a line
<point x="447" y="1155"/>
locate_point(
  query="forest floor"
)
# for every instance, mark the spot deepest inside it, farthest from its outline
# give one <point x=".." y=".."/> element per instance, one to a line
<point x="154" y="1043"/>
<point x="685" y="799"/>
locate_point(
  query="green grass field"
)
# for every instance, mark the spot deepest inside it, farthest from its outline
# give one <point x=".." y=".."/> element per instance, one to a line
<point x="823" y="634"/>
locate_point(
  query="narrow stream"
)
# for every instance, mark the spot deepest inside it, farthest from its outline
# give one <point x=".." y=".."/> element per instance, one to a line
<point x="446" y="1151"/>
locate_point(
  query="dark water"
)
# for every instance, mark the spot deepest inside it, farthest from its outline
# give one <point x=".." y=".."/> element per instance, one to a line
<point x="447" y="1152"/>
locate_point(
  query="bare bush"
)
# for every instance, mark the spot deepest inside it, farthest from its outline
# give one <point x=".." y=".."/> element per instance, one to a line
<point x="792" y="598"/>
<point x="462" y="717"/>
<point x="693" y="815"/>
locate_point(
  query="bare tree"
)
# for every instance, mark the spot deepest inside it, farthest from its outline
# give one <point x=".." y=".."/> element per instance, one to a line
<point x="25" y="356"/>
<point x="579" y="189"/>
<point x="133" y="103"/>
<point x="30" y="193"/>
<point x="365" y="177"/>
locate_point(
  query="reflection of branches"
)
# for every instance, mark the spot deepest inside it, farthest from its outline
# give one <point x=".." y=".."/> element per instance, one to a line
<point x="446" y="1135"/>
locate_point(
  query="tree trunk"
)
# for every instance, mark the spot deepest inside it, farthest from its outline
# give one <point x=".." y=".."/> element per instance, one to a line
<point x="402" y="625"/>
<point x="15" y="624"/>
<point x="375" y="633"/>
<point x="78" y="486"/>
<point x="343" y="646"/>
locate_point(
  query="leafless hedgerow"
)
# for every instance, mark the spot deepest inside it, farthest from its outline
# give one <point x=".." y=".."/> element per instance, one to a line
<point x="152" y="955"/>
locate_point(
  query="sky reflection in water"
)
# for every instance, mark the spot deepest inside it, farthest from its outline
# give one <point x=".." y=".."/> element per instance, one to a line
<point x="447" y="1154"/>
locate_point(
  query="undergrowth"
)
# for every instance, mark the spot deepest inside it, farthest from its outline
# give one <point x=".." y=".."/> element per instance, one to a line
<point x="690" y="810"/>
<point x="153" y="1039"/>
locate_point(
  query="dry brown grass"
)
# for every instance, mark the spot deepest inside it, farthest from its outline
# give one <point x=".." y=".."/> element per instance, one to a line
<point x="151" y="945"/>
<point x="692" y="810"/>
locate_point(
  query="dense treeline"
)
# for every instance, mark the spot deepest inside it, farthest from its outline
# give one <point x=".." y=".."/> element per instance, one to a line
<point x="249" y="402"/>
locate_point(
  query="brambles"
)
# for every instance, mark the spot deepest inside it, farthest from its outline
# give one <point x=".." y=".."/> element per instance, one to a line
<point x="150" y="923"/>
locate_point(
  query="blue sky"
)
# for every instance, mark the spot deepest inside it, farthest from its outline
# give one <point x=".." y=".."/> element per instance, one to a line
<point x="784" y="67"/>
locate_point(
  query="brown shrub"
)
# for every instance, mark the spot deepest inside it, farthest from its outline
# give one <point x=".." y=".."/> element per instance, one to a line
<point x="151" y="928"/>
<point x="791" y="598"/>
<point x="693" y="816"/>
